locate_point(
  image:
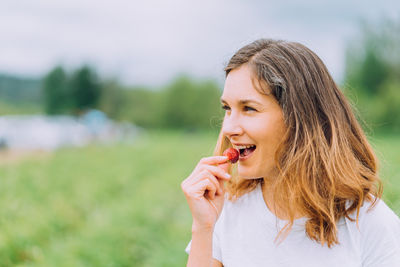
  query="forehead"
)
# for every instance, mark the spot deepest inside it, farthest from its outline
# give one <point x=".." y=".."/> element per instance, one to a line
<point x="241" y="84"/>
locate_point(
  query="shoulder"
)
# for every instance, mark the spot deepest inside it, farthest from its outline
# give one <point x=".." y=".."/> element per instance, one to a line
<point x="378" y="216"/>
<point x="378" y="222"/>
<point x="379" y="230"/>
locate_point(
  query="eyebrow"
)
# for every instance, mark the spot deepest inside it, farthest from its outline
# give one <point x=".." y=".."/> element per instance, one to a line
<point x="243" y="101"/>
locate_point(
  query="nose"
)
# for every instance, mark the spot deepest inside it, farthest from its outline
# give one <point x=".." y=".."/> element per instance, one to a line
<point x="231" y="126"/>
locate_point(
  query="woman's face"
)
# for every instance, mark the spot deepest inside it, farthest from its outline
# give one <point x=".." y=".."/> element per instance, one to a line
<point x="251" y="119"/>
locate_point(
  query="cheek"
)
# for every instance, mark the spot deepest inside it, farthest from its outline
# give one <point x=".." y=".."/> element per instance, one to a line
<point x="258" y="129"/>
<point x="269" y="136"/>
<point x="265" y="132"/>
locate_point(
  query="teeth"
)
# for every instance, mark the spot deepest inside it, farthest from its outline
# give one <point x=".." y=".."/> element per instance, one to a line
<point x="242" y="147"/>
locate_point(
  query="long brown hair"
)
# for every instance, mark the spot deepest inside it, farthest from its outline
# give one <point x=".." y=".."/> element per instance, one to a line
<point x="327" y="168"/>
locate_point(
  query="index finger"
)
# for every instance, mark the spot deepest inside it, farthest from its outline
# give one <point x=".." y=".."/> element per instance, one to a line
<point x="214" y="160"/>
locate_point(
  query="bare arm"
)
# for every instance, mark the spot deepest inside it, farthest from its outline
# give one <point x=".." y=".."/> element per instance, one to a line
<point x="201" y="249"/>
<point x="203" y="186"/>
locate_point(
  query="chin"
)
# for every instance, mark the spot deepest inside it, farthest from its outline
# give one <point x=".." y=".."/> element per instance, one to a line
<point x="248" y="175"/>
<point x="249" y="178"/>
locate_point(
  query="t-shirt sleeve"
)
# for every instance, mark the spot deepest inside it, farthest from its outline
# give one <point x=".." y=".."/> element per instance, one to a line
<point x="187" y="249"/>
<point x="380" y="237"/>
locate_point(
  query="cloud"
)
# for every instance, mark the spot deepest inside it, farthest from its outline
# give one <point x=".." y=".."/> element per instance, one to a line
<point x="148" y="42"/>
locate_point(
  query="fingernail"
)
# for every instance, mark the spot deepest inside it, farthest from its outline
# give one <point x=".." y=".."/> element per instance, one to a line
<point x="227" y="175"/>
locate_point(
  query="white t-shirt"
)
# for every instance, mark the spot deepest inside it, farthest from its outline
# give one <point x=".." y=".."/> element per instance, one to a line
<point x="244" y="235"/>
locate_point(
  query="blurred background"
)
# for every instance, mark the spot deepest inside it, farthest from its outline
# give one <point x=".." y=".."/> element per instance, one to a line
<point x="106" y="106"/>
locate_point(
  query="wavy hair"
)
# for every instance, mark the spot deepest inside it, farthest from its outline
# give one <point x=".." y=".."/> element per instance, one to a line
<point x="326" y="167"/>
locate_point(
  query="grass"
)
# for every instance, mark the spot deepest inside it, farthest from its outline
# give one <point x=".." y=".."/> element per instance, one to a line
<point x="19" y="108"/>
<point x="118" y="205"/>
<point x="387" y="149"/>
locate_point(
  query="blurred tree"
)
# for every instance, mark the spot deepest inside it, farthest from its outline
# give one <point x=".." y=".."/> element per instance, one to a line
<point x="178" y="102"/>
<point x="85" y="89"/>
<point x="19" y="90"/>
<point x="374" y="71"/>
<point x="144" y="107"/>
<point x="55" y="92"/>
<point x="112" y="100"/>
<point x="191" y="105"/>
<point x="373" y="74"/>
<point x="208" y="105"/>
<point x="183" y="104"/>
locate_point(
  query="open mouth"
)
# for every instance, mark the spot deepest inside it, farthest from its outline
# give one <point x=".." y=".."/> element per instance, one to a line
<point x="246" y="152"/>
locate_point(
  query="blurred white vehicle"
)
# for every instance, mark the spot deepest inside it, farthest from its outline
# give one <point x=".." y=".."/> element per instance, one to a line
<point x="29" y="132"/>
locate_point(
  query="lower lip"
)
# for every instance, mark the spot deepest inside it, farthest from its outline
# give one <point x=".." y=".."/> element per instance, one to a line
<point x="243" y="158"/>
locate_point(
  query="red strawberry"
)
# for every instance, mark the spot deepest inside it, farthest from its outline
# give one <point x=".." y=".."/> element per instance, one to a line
<point x="232" y="154"/>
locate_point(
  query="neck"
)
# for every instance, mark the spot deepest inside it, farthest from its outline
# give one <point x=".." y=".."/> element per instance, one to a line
<point x="275" y="207"/>
<point x="269" y="200"/>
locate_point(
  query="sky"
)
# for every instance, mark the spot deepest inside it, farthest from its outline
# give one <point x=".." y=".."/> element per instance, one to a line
<point x="151" y="42"/>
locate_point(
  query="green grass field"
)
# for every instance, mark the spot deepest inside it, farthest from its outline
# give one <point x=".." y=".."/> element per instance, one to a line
<point x="118" y="205"/>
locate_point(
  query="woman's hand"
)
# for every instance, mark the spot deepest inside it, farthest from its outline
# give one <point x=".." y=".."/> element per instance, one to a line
<point x="205" y="184"/>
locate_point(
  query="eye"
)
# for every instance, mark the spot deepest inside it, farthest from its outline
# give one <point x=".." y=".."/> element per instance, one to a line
<point x="247" y="108"/>
<point x="225" y="107"/>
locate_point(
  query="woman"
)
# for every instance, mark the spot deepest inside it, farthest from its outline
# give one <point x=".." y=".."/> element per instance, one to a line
<point x="305" y="191"/>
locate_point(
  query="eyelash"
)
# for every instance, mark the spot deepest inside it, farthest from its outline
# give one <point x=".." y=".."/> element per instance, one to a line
<point x="246" y="108"/>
